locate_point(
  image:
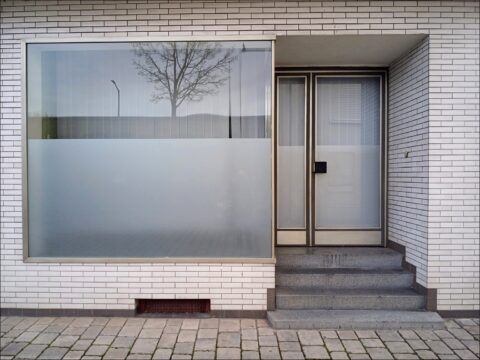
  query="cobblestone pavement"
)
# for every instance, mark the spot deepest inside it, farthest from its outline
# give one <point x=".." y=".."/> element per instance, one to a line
<point x="154" y="338"/>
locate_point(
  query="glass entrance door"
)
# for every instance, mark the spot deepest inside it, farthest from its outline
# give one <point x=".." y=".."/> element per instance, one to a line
<point x="329" y="159"/>
<point x="347" y="160"/>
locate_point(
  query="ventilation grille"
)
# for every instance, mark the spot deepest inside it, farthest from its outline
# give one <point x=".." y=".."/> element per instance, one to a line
<point x="173" y="306"/>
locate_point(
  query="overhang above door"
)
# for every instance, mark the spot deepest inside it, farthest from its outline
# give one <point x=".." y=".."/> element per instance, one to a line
<point x="342" y="50"/>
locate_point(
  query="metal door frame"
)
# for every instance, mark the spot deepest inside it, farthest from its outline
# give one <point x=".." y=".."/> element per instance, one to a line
<point x="311" y="73"/>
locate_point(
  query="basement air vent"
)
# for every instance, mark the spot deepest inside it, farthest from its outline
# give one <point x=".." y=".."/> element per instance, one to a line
<point x="159" y="306"/>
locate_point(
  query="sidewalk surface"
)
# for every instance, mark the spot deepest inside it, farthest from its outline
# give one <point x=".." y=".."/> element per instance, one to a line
<point x="158" y="338"/>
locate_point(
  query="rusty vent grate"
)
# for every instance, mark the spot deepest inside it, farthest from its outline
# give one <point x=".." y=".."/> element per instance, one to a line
<point x="173" y="306"/>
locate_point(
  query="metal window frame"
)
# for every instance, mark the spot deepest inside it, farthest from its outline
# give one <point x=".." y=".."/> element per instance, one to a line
<point x="122" y="260"/>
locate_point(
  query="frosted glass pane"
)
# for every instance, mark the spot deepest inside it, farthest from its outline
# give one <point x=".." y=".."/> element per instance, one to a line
<point x="348" y="138"/>
<point x="134" y="198"/>
<point x="131" y="154"/>
<point x="291" y="153"/>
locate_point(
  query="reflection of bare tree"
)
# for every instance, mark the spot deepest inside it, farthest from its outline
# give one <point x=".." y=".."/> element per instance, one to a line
<point x="183" y="70"/>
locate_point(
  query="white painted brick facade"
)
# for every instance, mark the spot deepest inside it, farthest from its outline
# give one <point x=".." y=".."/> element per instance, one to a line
<point x="443" y="238"/>
<point x="408" y="156"/>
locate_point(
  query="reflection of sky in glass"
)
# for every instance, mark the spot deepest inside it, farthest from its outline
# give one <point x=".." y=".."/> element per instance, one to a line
<point x="75" y="80"/>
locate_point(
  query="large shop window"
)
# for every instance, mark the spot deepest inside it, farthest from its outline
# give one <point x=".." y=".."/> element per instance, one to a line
<point x="149" y="149"/>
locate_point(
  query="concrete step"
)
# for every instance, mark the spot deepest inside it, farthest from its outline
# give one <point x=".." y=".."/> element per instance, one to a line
<point x="354" y="319"/>
<point x="335" y="257"/>
<point x="348" y="299"/>
<point x="344" y="278"/>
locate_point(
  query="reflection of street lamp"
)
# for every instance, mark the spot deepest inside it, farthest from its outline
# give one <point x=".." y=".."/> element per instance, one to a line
<point x="118" y="97"/>
<point x="229" y="101"/>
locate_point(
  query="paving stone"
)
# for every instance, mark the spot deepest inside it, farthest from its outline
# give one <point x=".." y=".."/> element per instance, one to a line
<point x="398" y="347"/>
<point x="292" y="355"/>
<point x="104" y="340"/>
<point x="13" y="348"/>
<point x="389" y="335"/>
<point x="359" y="356"/>
<point x="454" y="344"/>
<point x="205" y="345"/>
<point x="123" y="342"/>
<point x="262" y="323"/>
<point x="204" y="355"/>
<point x="229" y="325"/>
<point x="228" y="353"/>
<point x="44" y="338"/>
<point x="443" y="334"/>
<point x="100" y="321"/>
<point x="26" y="336"/>
<point x="207" y="333"/>
<point x="289" y="346"/>
<point x="154" y="324"/>
<point x="347" y="335"/>
<point x="265" y="331"/>
<point x="372" y="343"/>
<point x="179" y="357"/>
<point x="130" y="331"/>
<point x="65" y="341"/>
<point x="190" y="324"/>
<point x="270" y="340"/>
<point x="473" y="346"/>
<point x="250" y="345"/>
<point x="287" y="335"/>
<point x="405" y="356"/>
<point x="248" y="324"/>
<point x="310" y="337"/>
<point x="315" y="352"/>
<point x="139" y="322"/>
<point x="92" y="332"/>
<point x="439" y="347"/>
<point x="329" y="334"/>
<point x="162" y="354"/>
<point x="448" y="357"/>
<point x="417" y="344"/>
<point x="144" y="346"/>
<point x="183" y="348"/>
<point x="366" y="334"/>
<point x="117" y="321"/>
<point x="71" y="330"/>
<point x="167" y="341"/>
<point x="150" y="333"/>
<point x="53" y="353"/>
<point x="269" y="352"/>
<point x="408" y="334"/>
<point x="427" y="335"/>
<point x="31" y="351"/>
<point x="334" y="345"/>
<point x="138" y="357"/>
<point x="353" y="346"/>
<point x="251" y="355"/>
<point x="74" y="355"/>
<point x="209" y="323"/>
<point x="249" y="334"/>
<point x="97" y="350"/>
<point x="82" y="344"/>
<point x="5" y="341"/>
<point x="171" y="329"/>
<point x="339" y="355"/>
<point x="379" y="354"/>
<point x="426" y="354"/>
<point x="229" y="339"/>
<point x="465" y="354"/>
<point x="116" y="353"/>
<point x="187" y="336"/>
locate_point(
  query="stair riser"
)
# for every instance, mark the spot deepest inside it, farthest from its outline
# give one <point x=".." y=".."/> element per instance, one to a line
<point x="336" y="302"/>
<point x="344" y="281"/>
<point x="339" y="261"/>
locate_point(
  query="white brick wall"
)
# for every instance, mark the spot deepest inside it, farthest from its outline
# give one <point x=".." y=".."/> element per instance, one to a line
<point x="443" y="243"/>
<point x="408" y="156"/>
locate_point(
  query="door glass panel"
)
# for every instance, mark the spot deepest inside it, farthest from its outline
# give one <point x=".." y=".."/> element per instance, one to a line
<point x="348" y="139"/>
<point x="291" y="152"/>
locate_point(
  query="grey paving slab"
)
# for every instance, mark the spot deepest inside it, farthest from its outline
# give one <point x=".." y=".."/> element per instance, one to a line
<point x="156" y="338"/>
<point x="315" y="352"/>
<point x="228" y="353"/>
<point x="116" y="353"/>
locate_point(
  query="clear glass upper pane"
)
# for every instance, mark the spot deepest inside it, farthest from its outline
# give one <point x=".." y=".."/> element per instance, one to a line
<point x="155" y="149"/>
